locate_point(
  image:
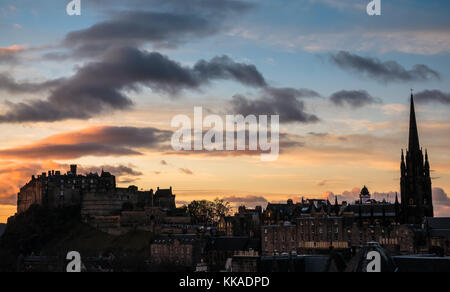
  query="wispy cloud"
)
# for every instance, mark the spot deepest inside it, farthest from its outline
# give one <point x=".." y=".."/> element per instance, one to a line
<point x="386" y="72"/>
<point x="353" y="98"/>
<point x="95" y="141"/>
<point x="433" y="96"/>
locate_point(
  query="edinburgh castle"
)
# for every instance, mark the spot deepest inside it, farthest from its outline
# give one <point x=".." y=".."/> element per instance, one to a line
<point x="103" y="204"/>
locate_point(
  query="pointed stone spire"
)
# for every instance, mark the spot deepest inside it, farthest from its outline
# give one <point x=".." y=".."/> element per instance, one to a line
<point x="414" y="144"/>
<point x="427" y="164"/>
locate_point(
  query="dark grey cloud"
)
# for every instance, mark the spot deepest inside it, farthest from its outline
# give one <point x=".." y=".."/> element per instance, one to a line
<point x="137" y="28"/>
<point x="284" y="102"/>
<point x="100" y="142"/>
<point x="353" y="98"/>
<point x="99" y="87"/>
<point x="432" y="96"/>
<point x="8" y="84"/>
<point x="161" y="23"/>
<point x="224" y="67"/>
<point x="386" y="72"/>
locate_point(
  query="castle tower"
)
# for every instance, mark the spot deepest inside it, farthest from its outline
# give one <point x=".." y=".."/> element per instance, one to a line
<point x="415" y="184"/>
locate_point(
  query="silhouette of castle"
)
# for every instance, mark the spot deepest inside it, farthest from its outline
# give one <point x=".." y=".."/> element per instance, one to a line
<point x="57" y="190"/>
<point x="415" y="185"/>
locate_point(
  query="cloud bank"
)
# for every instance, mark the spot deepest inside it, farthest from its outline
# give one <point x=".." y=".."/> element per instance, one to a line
<point x="386" y="72"/>
<point x="353" y="98"/>
<point x="99" y="87"/>
<point x="285" y="102"/>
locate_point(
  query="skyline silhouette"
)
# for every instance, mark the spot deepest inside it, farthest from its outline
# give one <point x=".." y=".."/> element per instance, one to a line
<point x="100" y="90"/>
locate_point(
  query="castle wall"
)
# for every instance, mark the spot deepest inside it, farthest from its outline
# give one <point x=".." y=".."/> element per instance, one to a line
<point x="29" y="195"/>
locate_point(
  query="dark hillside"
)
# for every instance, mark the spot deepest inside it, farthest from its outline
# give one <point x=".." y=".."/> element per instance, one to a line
<point x="45" y="232"/>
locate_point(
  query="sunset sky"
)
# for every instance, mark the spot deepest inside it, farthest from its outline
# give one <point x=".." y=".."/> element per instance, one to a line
<point x="100" y="90"/>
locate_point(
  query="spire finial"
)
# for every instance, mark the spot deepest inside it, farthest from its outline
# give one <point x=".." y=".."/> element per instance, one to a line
<point x="414" y="144"/>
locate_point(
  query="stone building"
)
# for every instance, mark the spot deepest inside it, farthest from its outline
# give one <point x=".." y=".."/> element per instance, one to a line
<point x="438" y="235"/>
<point x="246" y="222"/>
<point x="164" y="199"/>
<point x="313" y="226"/>
<point x="180" y="250"/>
<point x="279" y="239"/>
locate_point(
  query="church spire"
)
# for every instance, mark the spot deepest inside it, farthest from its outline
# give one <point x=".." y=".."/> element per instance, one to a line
<point x="415" y="182"/>
<point x="427" y="164"/>
<point x="413" y="132"/>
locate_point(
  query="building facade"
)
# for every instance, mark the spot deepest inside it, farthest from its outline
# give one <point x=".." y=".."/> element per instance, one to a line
<point x="180" y="250"/>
